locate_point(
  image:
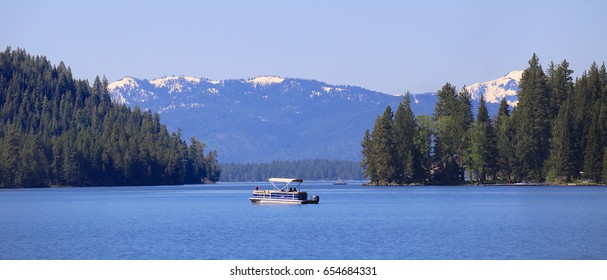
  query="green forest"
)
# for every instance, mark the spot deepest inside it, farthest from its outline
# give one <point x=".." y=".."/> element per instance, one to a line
<point x="557" y="133"/>
<point x="59" y="131"/>
<point x="318" y="169"/>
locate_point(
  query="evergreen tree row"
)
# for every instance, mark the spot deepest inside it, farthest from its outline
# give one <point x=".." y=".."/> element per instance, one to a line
<point x="557" y="133"/>
<point x="58" y="131"/>
<point x="398" y="150"/>
<point x="318" y="169"/>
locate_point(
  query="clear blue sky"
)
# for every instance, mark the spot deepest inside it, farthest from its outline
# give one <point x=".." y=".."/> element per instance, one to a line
<point x="388" y="46"/>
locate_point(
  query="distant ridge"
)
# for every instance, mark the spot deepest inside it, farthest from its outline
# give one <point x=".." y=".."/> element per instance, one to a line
<point x="263" y="118"/>
<point x="269" y="118"/>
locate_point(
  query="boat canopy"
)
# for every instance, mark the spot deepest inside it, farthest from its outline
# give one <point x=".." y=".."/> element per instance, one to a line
<point x="285" y="181"/>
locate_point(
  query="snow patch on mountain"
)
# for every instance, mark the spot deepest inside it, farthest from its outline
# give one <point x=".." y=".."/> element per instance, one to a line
<point x="193" y="80"/>
<point x="266" y="80"/>
<point x="415" y="100"/>
<point x="332" y="89"/>
<point x="175" y="83"/>
<point x="515" y="75"/>
<point x="495" y="90"/>
<point x="121" y="87"/>
<point x="314" y="94"/>
<point x="165" y="81"/>
<point x="125" y="83"/>
<point x="120" y="99"/>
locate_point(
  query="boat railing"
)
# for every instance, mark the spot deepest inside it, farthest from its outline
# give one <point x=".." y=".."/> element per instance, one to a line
<point x="279" y="195"/>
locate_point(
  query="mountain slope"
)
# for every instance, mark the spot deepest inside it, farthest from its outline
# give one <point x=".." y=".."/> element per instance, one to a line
<point x="266" y="118"/>
<point x="59" y="131"/>
<point x="495" y="90"/>
<point x="261" y="119"/>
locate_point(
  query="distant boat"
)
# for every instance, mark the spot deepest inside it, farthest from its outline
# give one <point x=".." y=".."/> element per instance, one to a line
<point x="341" y="182"/>
<point x="283" y="194"/>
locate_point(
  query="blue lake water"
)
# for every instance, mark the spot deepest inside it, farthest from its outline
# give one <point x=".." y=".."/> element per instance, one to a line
<point x="351" y="222"/>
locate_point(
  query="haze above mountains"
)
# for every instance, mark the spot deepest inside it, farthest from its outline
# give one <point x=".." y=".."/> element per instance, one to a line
<point x="275" y="118"/>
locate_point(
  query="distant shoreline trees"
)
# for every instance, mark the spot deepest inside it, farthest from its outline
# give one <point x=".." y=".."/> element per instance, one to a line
<point x="313" y="169"/>
<point x="58" y="131"/>
<point x="557" y="133"/>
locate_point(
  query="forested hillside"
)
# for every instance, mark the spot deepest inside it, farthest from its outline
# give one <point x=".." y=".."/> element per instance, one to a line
<point x="318" y="169"/>
<point x="58" y="131"/>
<point x="557" y="134"/>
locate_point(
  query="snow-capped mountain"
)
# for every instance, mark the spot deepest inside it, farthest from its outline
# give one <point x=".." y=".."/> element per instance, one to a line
<point x="496" y="90"/>
<point x="179" y="91"/>
<point x="263" y="118"/>
<point x="275" y="118"/>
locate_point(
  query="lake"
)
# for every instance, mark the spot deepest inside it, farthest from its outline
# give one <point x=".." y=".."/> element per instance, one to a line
<point x="350" y="222"/>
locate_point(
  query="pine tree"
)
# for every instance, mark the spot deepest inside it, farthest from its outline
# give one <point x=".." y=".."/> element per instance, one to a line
<point x="453" y="117"/>
<point x="367" y="157"/>
<point x="423" y="148"/>
<point x="483" y="144"/>
<point x="196" y="165"/>
<point x="212" y="168"/>
<point x="532" y="123"/>
<point x="504" y="137"/>
<point x="561" y="164"/>
<point x="596" y="136"/>
<point x="404" y="131"/>
<point x="446" y="132"/>
<point x="384" y="148"/>
<point x="465" y="118"/>
<point x="446" y="104"/>
<point x="581" y="106"/>
<point x="561" y="84"/>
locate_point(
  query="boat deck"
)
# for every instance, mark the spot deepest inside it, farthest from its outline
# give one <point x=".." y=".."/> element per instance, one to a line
<point x="280" y="195"/>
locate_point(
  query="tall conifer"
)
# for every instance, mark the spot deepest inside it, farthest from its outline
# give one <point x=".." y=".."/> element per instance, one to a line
<point x="596" y="136"/>
<point x="561" y="164"/>
<point x="561" y="83"/>
<point x="532" y="123"/>
<point x="423" y="148"/>
<point x="504" y="137"/>
<point x="367" y="157"/>
<point x="453" y="117"/>
<point x="483" y="144"/>
<point x="404" y="133"/>
<point x="384" y="148"/>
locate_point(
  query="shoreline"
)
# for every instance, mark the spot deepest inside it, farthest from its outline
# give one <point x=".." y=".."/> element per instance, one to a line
<point x="494" y="185"/>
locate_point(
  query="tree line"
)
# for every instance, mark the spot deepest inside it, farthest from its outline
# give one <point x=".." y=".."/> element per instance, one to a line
<point x="318" y="169"/>
<point x="557" y="133"/>
<point x="59" y="131"/>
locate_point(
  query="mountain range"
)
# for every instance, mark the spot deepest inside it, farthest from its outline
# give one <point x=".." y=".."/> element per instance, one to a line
<point x="275" y="118"/>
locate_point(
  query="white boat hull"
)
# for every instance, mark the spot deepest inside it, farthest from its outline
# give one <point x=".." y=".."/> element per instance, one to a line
<point x="278" y="201"/>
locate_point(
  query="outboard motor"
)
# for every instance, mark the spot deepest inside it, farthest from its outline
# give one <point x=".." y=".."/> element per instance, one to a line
<point x="315" y="199"/>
